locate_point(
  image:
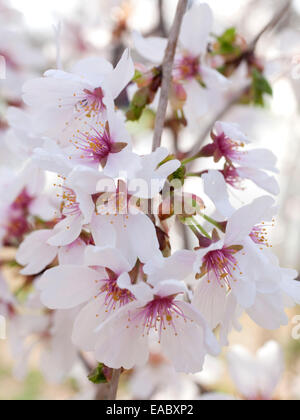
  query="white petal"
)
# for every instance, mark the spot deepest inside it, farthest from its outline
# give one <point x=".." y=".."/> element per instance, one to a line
<point x="72" y="254"/>
<point x="121" y="75"/>
<point x="210" y="300"/>
<point x="119" y="346"/>
<point x="167" y="288"/>
<point x="241" y="223"/>
<point x="216" y="189"/>
<point x="244" y="371"/>
<point x="245" y="292"/>
<point x="196" y="103"/>
<point x="230" y="319"/>
<point x="231" y="130"/>
<point x="88" y="319"/>
<point x="139" y="228"/>
<point x="117" y="162"/>
<point x="107" y="257"/>
<point x="261" y="179"/>
<point x="93" y="69"/>
<point x="103" y="231"/>
<point x="65" y="287"/>
<point x="151" y="48"/>
<point x="259" y="158"/>
<point x="213" y="79"/>
<point x="271" y="360"/>
<point x="177" y="266"/>
<point x="35" y="253"/>
<point x="193" y="341"/>
<point x="66" y="231"/>
<point x="268" y="311"/>
<point x="196" y="26"/>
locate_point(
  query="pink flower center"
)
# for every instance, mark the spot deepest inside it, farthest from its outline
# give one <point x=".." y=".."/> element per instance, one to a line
<point x="228" y="148"/>
<point x="259" y="234"/>
<point x="114" y="296"/>
<point x="92" y="102"/>
<point x="222" y="264"/>
<point x="95" y="146"/>
<point x="158" y="315"/>
<point x="232" y="177"/>
<point x="186" y="67"/>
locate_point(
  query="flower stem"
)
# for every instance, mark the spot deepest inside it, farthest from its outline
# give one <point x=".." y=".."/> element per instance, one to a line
<point x="218" y="225"/>
<point x="109" y="391"/>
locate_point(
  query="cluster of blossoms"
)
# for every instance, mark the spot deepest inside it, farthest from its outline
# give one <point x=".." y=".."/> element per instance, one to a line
<point x="94" y="246"/>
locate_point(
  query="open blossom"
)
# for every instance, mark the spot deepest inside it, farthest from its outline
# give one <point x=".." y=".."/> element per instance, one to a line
<point x="119" y="221"/>
<point x="181" y="330"/>
<point x="104" y="146"/>
<point x="66" y="102"/>
<point x="256" y="376"/>
<point x="94" y="282"/>
<point x="269" y="287"/>
<point x="241" y="162"/>
<point x="199" y="81"/>
<point x="226" y="264"/>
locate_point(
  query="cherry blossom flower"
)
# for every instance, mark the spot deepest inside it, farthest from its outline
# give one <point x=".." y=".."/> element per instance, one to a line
<point x="241" y="163"/>
<point x="78" y="99"/>
<point x="200" y="82"/>
<point x="106" y="145"/>
<point x="256" y="377"/>
<point x="96" y="283"/>
<point x="273" y="287"/>
<point x="183" y="333"/>
<point x="181" y="330"/>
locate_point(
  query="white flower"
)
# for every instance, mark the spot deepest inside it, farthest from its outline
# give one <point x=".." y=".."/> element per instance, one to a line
<point x="273" y="287"/>
<point x="182" y="332"/>
<point x="242" y="163"/>
<point x="65" y="102"/>
<point x="231" y="264"/>
<point x="256" y="377"/>
<point x="200" y="81"/>
<point x="95" y="283"/>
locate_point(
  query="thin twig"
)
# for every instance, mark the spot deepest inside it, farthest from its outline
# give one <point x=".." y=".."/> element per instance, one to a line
<point x="272" y="24"/>
<point x="161" y="25"/>
<point x="108" y="392"/>
<point x="167" y="73"/>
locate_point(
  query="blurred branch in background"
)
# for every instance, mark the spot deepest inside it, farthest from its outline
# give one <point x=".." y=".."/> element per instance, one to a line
<point x="167" y="73"/>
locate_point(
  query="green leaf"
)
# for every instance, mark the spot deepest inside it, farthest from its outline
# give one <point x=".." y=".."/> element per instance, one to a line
<point x="179" y="174"/>
<point x="228" y="36"/>
<point x="226" y="43"/>
<point x="97" y="376"/>
<point x="260" y="87"/>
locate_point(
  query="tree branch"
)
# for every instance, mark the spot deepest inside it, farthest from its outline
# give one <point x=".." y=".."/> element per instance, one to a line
<point x="272" y="24"/>
<point x="167" y="73"/>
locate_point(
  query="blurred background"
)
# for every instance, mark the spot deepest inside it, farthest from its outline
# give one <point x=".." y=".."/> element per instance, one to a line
<point x="30" y="32"/>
